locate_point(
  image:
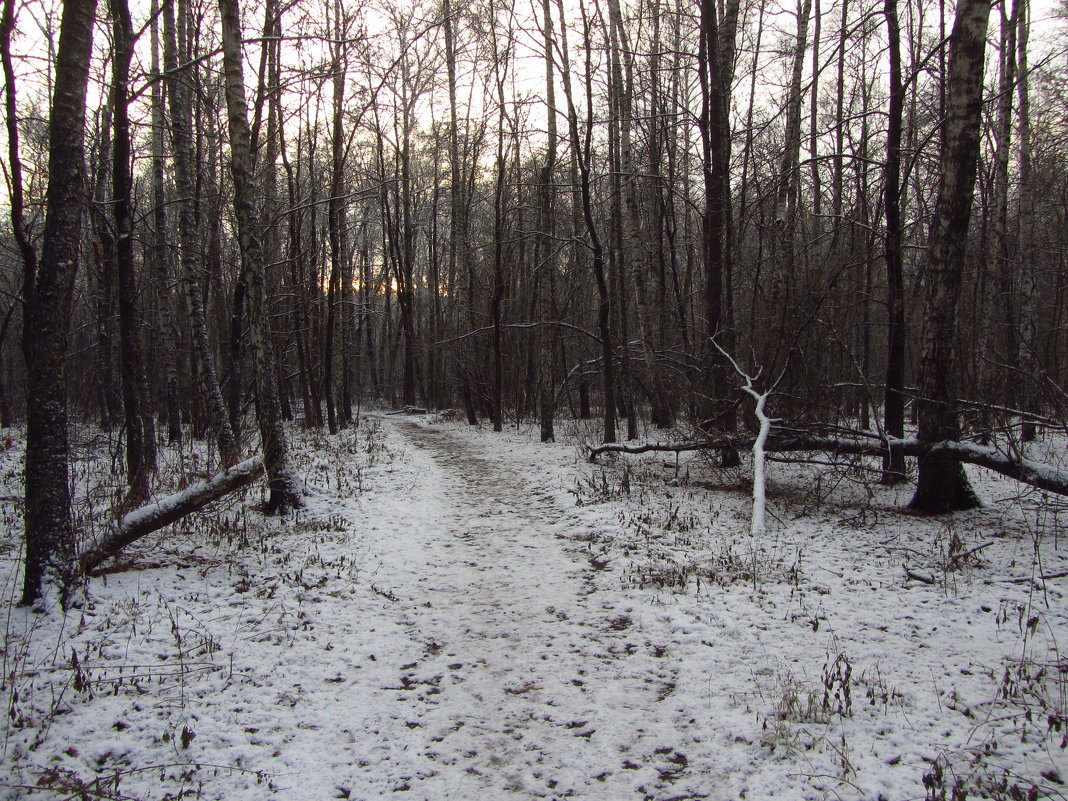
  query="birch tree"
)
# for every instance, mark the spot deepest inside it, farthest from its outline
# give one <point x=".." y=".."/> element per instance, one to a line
<point x="942" y="485"/>
<point x="176" y="55"/>
<point x="282" y="480"/>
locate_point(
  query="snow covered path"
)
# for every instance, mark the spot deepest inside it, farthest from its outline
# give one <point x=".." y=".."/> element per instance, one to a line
<point x="462" y="614"/>
<point x="527" y="684"/>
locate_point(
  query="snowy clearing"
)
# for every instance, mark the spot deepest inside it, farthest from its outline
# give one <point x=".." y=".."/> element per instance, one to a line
<point x="460" y="614"/>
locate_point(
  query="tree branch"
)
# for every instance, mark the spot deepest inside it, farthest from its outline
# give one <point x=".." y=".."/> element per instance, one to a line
<point x="1026" y="471"/>
<point x="156" y="515"/>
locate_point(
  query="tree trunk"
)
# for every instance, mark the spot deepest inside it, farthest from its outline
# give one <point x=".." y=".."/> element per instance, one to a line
<point x="104" y="280"/>
<point x="140" y="429"/>
<point x="546" y="252"/>
<point x="715" y="74"/>
<point x="581" y="147"/>
<point x="460" y="274"/>
<point x="896" y="332"/>
<point x="782" y="302"/>
<point x="175" y="51"/>
<point x="335" y="218"/>
<point x="168" y="330"/>
<point x="281" y="477"/>
<point x="137" y="523"/>
<point x="1028" y="341"/>
<point x="995" y="327"/>
<point x="50" y="543"/>
<point x="1042" y="476"/>
<point x="498" y="256"/>
<point x="943" y="485"/>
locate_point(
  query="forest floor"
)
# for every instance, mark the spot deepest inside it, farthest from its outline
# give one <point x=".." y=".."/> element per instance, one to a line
<point x="459" y="614"/>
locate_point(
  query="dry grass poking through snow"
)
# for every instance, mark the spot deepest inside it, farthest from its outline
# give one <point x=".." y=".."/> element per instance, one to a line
<point x="892" y="640"/>
<point x="852" y="652"/>
<point x="105" y="700"/>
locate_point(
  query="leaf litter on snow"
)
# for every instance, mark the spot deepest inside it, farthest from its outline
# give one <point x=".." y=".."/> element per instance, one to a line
<point x="463" y="614"/>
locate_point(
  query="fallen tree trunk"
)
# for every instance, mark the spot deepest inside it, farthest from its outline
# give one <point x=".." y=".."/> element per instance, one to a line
<point x="1042" y="476"/>
<point x="151" y="517"/>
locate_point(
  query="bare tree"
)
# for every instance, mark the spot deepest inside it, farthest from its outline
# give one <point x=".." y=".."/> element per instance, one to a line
<point x="582" y="150"/>
<point x="176" y="53"/>
<point x="715" y="73"/>
<point x="894" y="394"/>
<point x="138" y="422"/>
<point x="336" y="215"/>
<point x="159" y="243"/>
<point x="942" y="484"/>
<point x="47" y="294"/>
<point x="284" y="489"/>
<point x="1029" y="361"/>
<point x="545" y="261"/>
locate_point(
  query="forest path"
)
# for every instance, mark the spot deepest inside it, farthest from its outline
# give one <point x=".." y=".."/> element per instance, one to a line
<point x="528" y="684"/>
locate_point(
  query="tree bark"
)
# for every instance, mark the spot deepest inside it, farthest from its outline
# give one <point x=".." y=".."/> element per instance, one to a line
<point x="50" y="542"/>
<point x="942" y="485"/>
<point x="497" y="302"/>
<point x="17" y="202"/>
<point x="139" y="522"/>
<point x="996" y="326"/>
<point x="782" y="302"/>
<point x="1028" y="342"/>
<point x="175" y="53"/>
<point x="104" y="280"/>
<point x="335" y="218"/>
<point x="459" y="254"/>
<point x="581" y="147"/>
<point x="896" y="332"/>
<point x="281" y="477"/>
<point x="140" y="428"/>
<point x="546" y="253"/>
<point x="168" y="329"/>
<point x="715" y="75"/>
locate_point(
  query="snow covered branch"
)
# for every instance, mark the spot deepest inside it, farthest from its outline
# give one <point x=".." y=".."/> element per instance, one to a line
<point x="1027" y="471"/>
<point x="156" y="515"/>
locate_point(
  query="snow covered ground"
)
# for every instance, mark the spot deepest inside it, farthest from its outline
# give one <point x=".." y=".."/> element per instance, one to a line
<point x="460" y="614"/>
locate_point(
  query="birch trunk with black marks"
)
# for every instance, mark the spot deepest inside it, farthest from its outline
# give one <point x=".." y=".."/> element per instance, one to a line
<point x="281" y="477"/>
<point x="178" y="80"/>
<point x="942" y="485"/>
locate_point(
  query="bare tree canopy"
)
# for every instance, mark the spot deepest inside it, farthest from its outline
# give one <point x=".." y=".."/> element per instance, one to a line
<point x="540" y="213"/>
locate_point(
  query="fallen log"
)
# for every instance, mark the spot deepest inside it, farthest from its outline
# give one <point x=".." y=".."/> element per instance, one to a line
<point x="1026" y="471"/>
<point x="672" y="447"/>
<point x="153" y="516"/>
